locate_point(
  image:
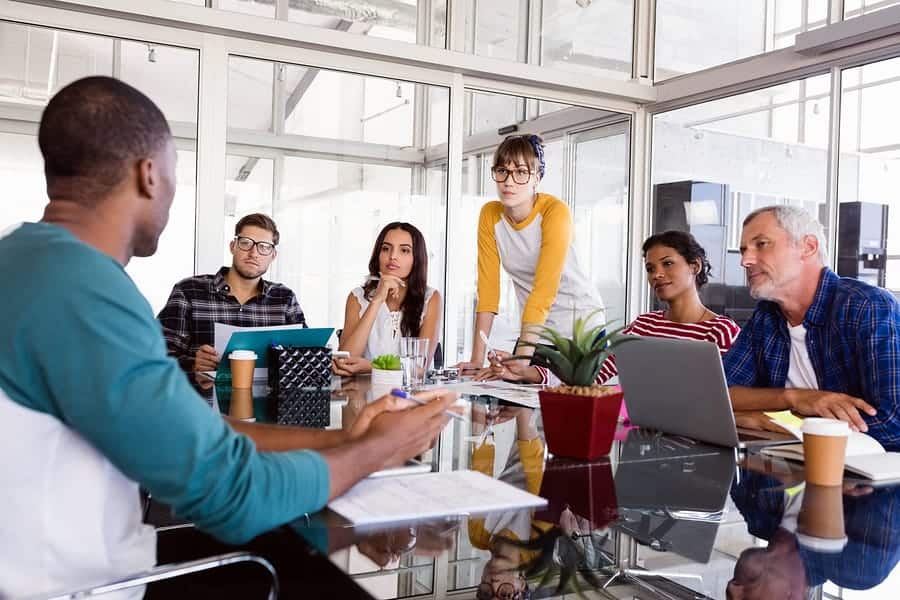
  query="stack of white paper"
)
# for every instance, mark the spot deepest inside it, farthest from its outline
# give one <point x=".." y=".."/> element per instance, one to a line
<point x="429" y="495"/>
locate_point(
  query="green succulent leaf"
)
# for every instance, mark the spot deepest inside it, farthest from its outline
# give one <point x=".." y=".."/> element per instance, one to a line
<point x="387" y="362"/>
<point x="577" y="359"/>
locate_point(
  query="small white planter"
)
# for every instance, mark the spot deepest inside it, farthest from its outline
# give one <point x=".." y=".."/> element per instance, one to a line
<point x="382" y="377"/>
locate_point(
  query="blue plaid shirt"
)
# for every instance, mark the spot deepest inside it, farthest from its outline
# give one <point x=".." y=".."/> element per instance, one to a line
<point x="872" y="524"/>
<point x="853" y="341"/>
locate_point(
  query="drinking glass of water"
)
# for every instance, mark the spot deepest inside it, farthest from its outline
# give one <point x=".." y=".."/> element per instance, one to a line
<point x="413" y="359"/>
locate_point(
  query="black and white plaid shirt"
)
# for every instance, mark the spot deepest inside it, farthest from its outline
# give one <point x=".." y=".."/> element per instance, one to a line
<point x="196" y="303"/>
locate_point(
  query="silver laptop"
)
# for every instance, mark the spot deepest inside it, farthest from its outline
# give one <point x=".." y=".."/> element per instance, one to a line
<point x="678" y="386"/>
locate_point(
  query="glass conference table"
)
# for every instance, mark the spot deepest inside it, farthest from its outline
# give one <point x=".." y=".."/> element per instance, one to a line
<point x="660" y="517"/>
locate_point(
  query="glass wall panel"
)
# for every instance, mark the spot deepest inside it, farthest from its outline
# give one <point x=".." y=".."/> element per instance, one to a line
<point x="249" y="188"/>
<point x="594" y="190"/>
<point x="714" y="163"/>
<point x="869" y="175"/>
<point x="584" y="36"/>
<point x="498" y="29"/>
<point x="257" y="8"/>
<point x="250" y="91"/>
<point x="351" y="160"/>
<point x="486" y="111"/>
<point x="34" y="64"/>
<point x="855" y="8"/>
<point x="692" y="35"/>
<point x="600" y="210"/>
<point x="401" y="20"/>
<point x="589" y="37"/>
<point x="373" y="109"/>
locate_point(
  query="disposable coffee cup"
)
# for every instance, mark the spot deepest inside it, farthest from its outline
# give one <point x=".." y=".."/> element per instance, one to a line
<point x="242" y="364"/>
<point x="820" y="524"/>
<point x="241" y="406"/>
<point x="824" y="446"/>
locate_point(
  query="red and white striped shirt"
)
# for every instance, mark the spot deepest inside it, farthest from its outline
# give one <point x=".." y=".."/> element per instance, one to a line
<point x="720" y="330"/>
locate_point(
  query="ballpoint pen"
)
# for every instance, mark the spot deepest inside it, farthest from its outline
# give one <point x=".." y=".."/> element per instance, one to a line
<point x="402" y="394"/>
<point x="487" y="345"/>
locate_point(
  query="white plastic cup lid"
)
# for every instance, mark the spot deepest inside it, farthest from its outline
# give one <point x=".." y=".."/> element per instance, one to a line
<point x="242" y="355"/>
<point x="821" y="544"/>
<point x="820" y="426"/>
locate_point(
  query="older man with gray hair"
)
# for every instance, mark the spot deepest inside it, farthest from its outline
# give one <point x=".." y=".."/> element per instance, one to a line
<point x="817" y="344"/>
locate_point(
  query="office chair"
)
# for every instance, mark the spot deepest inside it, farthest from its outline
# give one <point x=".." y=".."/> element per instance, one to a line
<point x="169" y="571"/>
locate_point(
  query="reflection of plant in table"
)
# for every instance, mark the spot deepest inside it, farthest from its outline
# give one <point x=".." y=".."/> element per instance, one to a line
<point x="386" y="362"/>
<point x="564" y="563"/>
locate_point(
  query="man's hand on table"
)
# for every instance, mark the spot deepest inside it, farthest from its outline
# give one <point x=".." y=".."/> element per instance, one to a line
<point x="758" y="420"/>
<point x="832" y="405"/>
<point x="206" y="358"/>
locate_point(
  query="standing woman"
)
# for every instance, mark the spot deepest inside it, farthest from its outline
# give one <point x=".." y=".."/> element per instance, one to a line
<point x="394" y="302"/>
<point x="530" y="234"/>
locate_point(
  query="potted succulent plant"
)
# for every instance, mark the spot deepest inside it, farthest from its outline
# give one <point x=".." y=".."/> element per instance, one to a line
<point x="579" y="416"/>
<point x="386" y="371"/>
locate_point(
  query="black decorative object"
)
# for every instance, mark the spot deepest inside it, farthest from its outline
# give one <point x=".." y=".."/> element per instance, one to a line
<point x="300" y="382"/>
<point x="303" y="407"/>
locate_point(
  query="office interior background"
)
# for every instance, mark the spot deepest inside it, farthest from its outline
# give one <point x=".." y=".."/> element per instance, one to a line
<point x="338" y="116"/>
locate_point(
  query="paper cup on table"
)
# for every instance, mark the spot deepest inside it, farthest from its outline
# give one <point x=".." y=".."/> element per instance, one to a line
<point x="242" y="364"/>
<point x="820" y="524"/>
<point x="824" y="446"/>
<point x="241" y="404"/>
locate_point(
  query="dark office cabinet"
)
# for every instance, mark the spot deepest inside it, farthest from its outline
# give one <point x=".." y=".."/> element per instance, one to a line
<point x="701" y="208"/>
<point x="862" y="241"/>
<point x="697" y="207"/>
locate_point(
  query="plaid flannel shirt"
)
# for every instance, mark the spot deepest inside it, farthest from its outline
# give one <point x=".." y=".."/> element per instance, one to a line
<point x="853" y="341"/>
<point x="198" y="302"/>
<point x="871" y="521"/>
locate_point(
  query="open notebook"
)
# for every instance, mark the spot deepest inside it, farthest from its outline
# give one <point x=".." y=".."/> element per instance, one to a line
<point x="864" y="456"/>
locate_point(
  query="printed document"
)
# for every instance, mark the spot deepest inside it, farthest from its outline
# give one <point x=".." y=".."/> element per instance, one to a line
<point x="514" y="393"/>
<point x="412" y="497"/>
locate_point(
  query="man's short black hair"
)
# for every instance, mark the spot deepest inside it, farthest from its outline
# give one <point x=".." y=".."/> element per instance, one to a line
<point x="92" y="131"/>
<point x="258" y="220"/>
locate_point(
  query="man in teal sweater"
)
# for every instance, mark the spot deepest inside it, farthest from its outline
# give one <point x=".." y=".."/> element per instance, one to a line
<point x="91" y="406"/>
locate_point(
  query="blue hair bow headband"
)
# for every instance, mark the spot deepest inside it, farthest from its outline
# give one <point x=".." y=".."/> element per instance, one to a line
<point x="538" y="152"/>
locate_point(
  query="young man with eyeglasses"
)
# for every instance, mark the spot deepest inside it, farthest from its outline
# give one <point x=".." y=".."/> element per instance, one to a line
<point x="236" y="295"/>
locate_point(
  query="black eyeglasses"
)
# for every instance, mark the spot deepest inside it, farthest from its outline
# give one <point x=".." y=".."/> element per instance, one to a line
<point x="505" y="591"/>
<point x="501" y="174"/>
<point x="246" y="244"/>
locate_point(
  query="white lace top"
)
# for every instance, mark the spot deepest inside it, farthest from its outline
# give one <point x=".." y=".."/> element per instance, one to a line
<point x="385" y="335"/>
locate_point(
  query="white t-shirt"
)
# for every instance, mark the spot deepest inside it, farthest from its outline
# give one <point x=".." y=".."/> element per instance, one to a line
<point x="385" y="335"/>
<point x="801" y="374"/>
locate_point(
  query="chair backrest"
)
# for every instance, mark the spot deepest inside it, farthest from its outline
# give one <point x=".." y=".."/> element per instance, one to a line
<point x="170" y="571"/>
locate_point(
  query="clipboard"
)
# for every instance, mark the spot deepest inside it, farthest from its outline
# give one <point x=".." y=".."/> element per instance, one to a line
<point x="258" y="339"/>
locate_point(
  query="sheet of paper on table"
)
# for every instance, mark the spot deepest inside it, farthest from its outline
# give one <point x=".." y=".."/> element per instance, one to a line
<point x="414" y="497"/>
<point x="524" y="395"/>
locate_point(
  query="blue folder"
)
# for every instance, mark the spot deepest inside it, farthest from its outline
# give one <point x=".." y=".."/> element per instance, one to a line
<point x="260" y="340"/>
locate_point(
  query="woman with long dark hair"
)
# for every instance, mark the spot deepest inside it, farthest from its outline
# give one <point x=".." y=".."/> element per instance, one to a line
<point x="394" y="301"/>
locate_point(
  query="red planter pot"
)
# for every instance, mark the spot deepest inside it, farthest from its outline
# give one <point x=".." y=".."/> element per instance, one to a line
<point x="587" y="488"/>
<point x="579" y="426"/>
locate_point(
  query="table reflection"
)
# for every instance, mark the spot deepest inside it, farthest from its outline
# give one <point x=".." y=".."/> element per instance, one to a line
<point x="662" y="515"/>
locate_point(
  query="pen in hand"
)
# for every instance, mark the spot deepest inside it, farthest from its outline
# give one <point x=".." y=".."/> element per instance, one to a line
<point x="488" y="350"/>
<point x="406" y="395"/>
